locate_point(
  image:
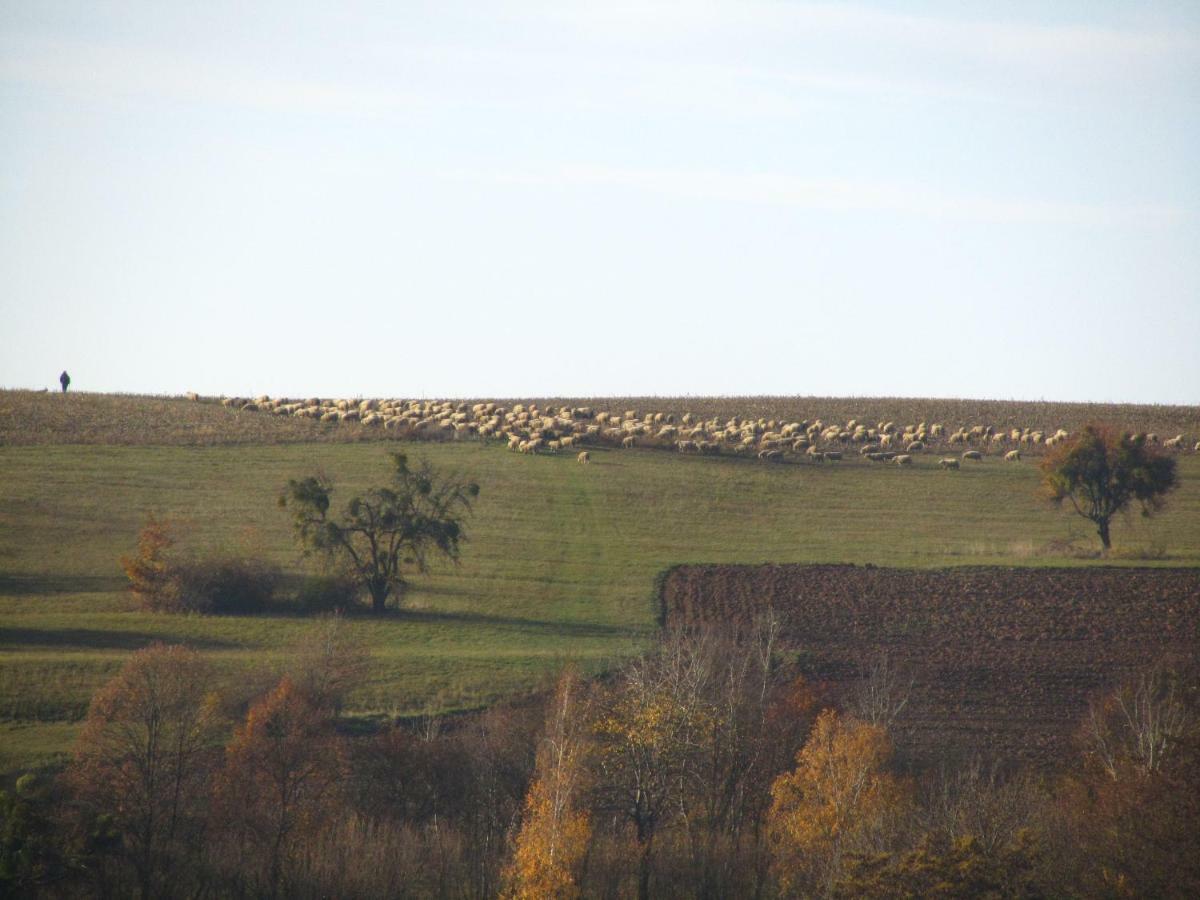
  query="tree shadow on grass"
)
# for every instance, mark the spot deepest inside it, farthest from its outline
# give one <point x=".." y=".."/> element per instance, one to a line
<point x="98" y="639"/>
<point x="513" y="623"/>
<point x="44" y="585"/>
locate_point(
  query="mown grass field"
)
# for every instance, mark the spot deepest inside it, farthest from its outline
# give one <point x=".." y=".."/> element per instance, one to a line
<point x="560" y="565"/>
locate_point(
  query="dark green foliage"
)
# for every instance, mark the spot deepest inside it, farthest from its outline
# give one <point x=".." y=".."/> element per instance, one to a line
<point x="328" y="593"/>
<point x="386" y="530"/>
<point x="1102" y="471"/>
<point x="28" y="850"/>
<point x="226" y="585"/>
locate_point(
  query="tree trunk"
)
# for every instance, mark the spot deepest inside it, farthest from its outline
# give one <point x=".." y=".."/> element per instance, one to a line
<point x="1102" y="528"/>
<point x="379" y="595"/>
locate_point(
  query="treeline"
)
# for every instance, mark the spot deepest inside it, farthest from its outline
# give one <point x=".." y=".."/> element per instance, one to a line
<point x="708" y="767"/>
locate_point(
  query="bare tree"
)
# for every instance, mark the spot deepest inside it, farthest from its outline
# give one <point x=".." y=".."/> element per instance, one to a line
<point x="883" y="693"/>
<point x="1136" y="726"/>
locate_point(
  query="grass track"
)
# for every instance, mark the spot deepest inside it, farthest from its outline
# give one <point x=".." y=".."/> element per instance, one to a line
<point x="560" y="564"/>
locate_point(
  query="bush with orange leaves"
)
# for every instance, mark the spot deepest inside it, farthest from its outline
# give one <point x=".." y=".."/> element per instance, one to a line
<point x="151" y="578"/>
<point x="839" y="799"/>
<point x="556" y="829"/>
<point x="281" y="783"/>
<point x="143" y="758"/>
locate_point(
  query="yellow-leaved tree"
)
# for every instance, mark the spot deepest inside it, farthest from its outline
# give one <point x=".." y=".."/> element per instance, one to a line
<point x="839" y="799"/>
<point x="556" y="828"/>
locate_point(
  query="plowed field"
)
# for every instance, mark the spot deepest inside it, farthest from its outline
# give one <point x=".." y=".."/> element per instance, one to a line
<point x="1002" y="661"/>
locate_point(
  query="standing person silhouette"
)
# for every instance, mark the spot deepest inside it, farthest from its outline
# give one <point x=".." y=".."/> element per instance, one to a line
<point x="65" y="380"/>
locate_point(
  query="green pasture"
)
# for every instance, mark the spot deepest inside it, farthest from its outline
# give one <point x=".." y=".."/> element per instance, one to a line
<point x="560" y="564"/>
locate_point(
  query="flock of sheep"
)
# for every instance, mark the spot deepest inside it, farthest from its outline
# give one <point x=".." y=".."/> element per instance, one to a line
<point x="527" y="429"/>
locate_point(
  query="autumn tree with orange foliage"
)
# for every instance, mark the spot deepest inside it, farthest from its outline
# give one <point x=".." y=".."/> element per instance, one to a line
<point x="648" y="729"/>
<point x="839" y="799"/>
<point x="281" y="780"/>
<point x="143" y="758"/>
<point x="149" y="572"/>
<point x="556" y="828"/>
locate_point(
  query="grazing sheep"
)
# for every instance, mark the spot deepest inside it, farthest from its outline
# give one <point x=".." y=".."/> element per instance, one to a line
<point x="1197" y="447"/>
<point x="686" y="446"/>
<point x="628" y="441"/>
<point x="950" y="463"/>
<point x="816" y="455"/>
<point x="553" y="446"/>
<point x="833" y="455"/>
<point x="903" y="459"/>
<point x="771" y="455"/>
<point x="1173" y="442"/>
<point x="972" y="454"/>
<point x="584" y="456"/>
<point x="1012" y="456"/>
<point x="915" y="446"/>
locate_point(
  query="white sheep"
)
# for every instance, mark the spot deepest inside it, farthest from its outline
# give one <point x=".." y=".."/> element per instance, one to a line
<point x="950" y="463"/>
<point x="903" y="459"/>
<point x="972" y="454"/>
<point x="1012" y="456"/>
<point x="628" y="441"/>
<point x="584" y="456"/>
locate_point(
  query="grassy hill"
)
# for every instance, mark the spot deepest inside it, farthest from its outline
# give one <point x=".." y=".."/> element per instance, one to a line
<point x="560" y="564"/>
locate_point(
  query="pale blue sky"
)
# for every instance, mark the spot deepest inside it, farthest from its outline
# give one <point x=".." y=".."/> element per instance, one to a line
<point x="484" y="199"/>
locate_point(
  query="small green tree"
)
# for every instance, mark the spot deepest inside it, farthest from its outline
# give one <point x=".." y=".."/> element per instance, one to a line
<point x="1102" y="471"/>
<point x="386" y="530"/>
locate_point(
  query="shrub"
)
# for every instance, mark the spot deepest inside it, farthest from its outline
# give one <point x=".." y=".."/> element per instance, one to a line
<point x="225" y="585"/>
<point x="162" y="582"/>
<point x="328" y="593"/>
